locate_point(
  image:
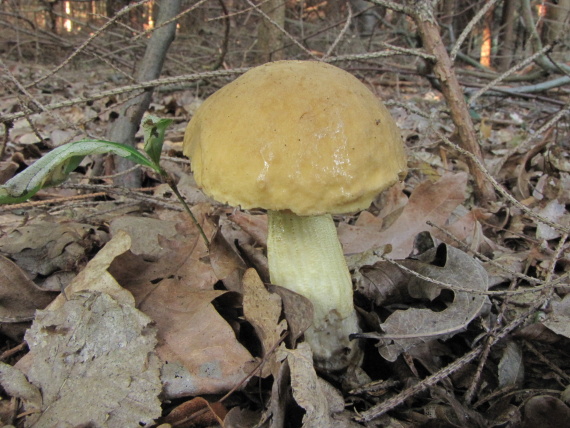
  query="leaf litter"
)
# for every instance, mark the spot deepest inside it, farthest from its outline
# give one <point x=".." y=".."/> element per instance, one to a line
<point x="220" y="334"/>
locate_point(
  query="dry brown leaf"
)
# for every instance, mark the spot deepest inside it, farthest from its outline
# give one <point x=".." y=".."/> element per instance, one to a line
<point x="263" y="309"/>
<point x="197" y="412"/>
<point x="429" y="202"/>
<point x="95" y="277"/>
<point x="406" y="328"/>
<point x="556" y="213"/>
<point x="93" y="360"/>
<point x="19" y="295"/>
<point x="43" y="247"/>
<point x="511" y="367"/>
<point x="200" y="349"/>
<point x="226" y="263"/>
<point x="298" y="311"/>
<point x="144" y="233"/>
<point x="318" y="398"/>
<point x="545" y="411"/>
<point x="17" y="385"/>
<point x="558" y="319"/>
<point x="255" y="225"/>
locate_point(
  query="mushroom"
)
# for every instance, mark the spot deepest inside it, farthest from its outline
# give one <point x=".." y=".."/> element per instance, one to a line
<point x="303" y="140"/>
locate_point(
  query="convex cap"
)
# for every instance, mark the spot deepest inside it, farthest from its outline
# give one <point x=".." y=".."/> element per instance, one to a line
<point x="302" y="136"/>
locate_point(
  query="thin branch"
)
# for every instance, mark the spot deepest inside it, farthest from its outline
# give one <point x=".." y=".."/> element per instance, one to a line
<point x="285" y="32"/>
<point x="342" y="33"/>
<point x="130" y="88"/>
<point x="467" y="30"/>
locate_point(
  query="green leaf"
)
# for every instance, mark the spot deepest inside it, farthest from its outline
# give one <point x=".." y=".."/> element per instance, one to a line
<point x="55" y="166"/>
<point x="153" y="130"/>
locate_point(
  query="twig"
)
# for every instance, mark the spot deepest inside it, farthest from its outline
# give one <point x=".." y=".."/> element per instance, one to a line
<point x="285" y="32"/>
<point x="227" y="26"/>
<point x="130" y="88"/>
<point x="501" y="189"/>
<point x="424" y="18"/>
<point x="432" y="380"/>
<point x="507" y="73"/>
<point x="478" y="16"/>
<point x="546" y="285"/>
<point x="342" y="33"/>
<point x="96" y="34"/>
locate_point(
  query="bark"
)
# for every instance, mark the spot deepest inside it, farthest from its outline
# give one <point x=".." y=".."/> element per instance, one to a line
<point x="443" y="69"/>
<point x="149" y="68"/>
<point x="556" y="27"/>
<point x="269" y="37"/>
<point x="507" y="36"/>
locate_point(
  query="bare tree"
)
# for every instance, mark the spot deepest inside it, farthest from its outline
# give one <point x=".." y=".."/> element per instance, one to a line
<point x="149" y="68"/>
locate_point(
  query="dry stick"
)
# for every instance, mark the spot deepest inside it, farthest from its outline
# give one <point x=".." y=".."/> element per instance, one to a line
<point x="545" y="285"/>
<point x="501" y="189"/>
<point x="507" y="73"/>
<point x="130" y="88"/>
<point x="468" y="397"/>
<point x="465" y="33"/>
<point x="432" y="380"/>
<point x="342" y="33"/>
<point x="424" y="18"/>
<point x="123" y="11"/>
<point x="285" y="32"/>
<point x="378" y="54"/>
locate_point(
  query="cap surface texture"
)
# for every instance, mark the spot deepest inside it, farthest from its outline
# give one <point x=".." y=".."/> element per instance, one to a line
<point x="302" y="136"/>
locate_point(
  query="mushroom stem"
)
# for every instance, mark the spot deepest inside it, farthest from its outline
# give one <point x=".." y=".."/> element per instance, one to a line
<point x="305" y="256"/>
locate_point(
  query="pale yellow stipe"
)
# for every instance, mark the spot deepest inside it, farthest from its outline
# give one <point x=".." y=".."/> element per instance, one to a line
<point x="306" y="257"/>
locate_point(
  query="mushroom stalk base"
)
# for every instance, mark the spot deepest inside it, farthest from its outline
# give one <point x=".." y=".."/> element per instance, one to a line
<point x="306" y="257"/>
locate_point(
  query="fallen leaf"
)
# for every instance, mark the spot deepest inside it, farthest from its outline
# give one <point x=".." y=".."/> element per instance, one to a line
<point x="556" y="213"/>
<point x="19" y="295"/>
<point x="511" y="367"/>
<point x="263" y="309"/>
<point x="44" y="247"/>
<point x="93" y="360"/>
<point x="201" y="352"/>
<point x="404" y="329"/>
<point x="95" y="277"/>
<point x="15" y="383"/>
<point x="196" y="412"/>
<point x="558" y="319"/>
<point x="318" y="398"/>
<point x="429" y="201"/>
<point x="144" y="233"/>
<point x="545" y="411"/>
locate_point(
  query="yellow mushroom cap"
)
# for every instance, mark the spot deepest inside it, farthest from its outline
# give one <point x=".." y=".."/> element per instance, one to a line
<point x="302" y="136"/>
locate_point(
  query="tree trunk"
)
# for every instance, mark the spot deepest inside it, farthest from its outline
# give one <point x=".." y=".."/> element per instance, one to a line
<point x="507" y="36"/>
<point x="269" y="37"/>
<point x="149" y="68"/>
<point x="443" y="69"/>
<point x="556" y="27"/>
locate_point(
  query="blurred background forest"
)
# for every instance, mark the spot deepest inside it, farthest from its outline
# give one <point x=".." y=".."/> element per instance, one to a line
<point x="59" y="50"/>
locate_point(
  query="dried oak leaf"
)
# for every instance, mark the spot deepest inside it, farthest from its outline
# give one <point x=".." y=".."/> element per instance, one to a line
<point x="323" y="404"/>
<point x="428" y="202"/>
<point x="44" y="247"/>
<point x="404" y="329"/>
<point x="201" y="352"/>
<point x="19" y="295"/>
<point x="263" y="309"/>
<point x="93" y="360"/>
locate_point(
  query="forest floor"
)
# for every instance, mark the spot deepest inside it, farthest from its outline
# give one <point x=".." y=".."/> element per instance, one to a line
<point x="154" y="327"/>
